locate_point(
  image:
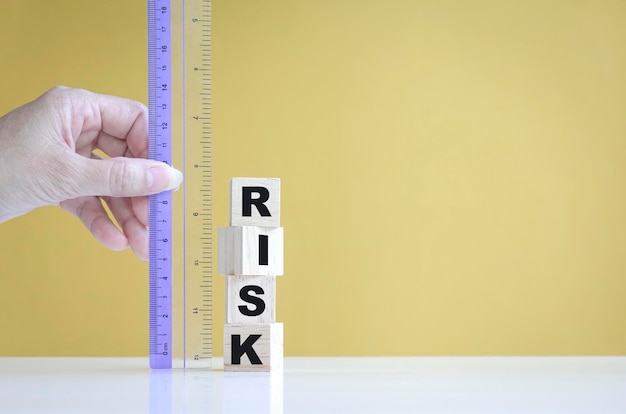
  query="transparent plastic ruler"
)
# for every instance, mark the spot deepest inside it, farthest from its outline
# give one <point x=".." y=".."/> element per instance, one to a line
<point x="180" y="134"/>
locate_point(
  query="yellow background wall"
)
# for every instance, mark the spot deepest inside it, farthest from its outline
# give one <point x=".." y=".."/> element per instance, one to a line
<point x="453" y="173"/>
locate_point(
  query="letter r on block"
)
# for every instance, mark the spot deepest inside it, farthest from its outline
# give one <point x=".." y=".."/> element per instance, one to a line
<point x="247" y="201"/>
<point x="255" y="202"/>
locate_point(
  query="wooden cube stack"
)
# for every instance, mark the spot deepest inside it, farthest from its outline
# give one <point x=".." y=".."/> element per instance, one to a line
<point x="250" y="255"/>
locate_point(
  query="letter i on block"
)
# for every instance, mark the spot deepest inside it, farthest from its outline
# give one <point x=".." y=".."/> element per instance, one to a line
<point x="250" y="255"/>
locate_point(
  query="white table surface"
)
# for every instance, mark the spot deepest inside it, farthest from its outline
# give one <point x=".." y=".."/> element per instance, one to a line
<point x="318" y="385"/>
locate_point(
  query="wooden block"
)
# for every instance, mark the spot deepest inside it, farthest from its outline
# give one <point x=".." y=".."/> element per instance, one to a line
<point x="250" y="299"/>
<point x="257" y="347"/>
<point x="255" y="202"/>
<point x="249" y="250"/>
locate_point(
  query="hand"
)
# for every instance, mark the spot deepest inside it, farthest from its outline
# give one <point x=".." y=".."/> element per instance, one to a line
<point x="47" y="158"/>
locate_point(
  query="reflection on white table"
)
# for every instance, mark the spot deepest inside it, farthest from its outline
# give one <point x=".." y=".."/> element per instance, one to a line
<point x="318" y="385"/>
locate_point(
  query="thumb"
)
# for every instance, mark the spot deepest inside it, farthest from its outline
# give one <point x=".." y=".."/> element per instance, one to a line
<point x="125" y="177"/>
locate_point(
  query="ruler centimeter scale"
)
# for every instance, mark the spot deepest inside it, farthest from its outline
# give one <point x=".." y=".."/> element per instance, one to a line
<point x="180" y="223"/>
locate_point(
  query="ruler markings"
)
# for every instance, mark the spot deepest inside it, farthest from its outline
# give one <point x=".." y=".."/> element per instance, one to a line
<point x="196" y="301"/>
<point x="159" y="91"/>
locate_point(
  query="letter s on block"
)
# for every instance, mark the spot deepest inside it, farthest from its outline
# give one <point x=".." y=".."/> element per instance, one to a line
<point x="259" y="303"/>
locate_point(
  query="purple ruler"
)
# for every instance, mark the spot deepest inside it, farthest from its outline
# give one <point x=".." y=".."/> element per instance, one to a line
<point x="160" y="205"/>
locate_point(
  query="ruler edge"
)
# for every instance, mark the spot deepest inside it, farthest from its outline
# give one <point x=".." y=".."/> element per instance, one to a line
<point x="171" y="360"/>
<point x="158" y="360"/>
<point x="187" y="26"/>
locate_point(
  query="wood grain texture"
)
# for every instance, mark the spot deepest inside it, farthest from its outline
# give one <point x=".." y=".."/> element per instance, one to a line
<point x="240" y="308"/>
<point x="237" y="196"/>
<point x="238" y="251"/>
<point x="267" y="350"/>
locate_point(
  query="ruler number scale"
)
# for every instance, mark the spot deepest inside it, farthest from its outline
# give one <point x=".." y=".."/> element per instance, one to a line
<point x="188" y="308"/>
<point x="160" y="205"/>
<point x="198" y="189"/>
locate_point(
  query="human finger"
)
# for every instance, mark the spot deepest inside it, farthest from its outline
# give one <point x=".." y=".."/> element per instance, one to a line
<point x="140" y="207"/>
<point x="107" y="144"/>
<point x="98" y="117"/>
<point x="95" y="218"/>
<point x="134" y="230"/>
<point x="120" y="177"/>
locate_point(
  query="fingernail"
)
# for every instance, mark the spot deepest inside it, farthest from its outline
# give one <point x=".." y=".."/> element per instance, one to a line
<point x="163" y="178"/>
